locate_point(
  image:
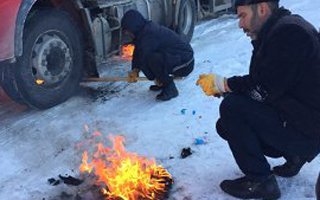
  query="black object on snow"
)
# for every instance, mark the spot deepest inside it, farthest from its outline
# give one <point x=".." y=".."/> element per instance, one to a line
<point x="53" y="181"/>
<point x="186" y="152"/>
<point x="69" y="180"/>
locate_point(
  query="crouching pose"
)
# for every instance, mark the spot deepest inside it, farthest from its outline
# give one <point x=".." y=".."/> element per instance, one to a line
<point x="159" y="53"/>
<point x="273" y="111"/>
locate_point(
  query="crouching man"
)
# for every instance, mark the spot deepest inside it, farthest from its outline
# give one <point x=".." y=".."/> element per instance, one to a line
<point x="159" y="53"/>
<point x="274" y="110"/>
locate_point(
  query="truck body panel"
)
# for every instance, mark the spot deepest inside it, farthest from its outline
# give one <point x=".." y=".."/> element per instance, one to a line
<point x="8" y="16"/>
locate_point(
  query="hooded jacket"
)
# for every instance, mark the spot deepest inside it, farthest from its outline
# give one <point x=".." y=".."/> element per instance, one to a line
<point x="285" y="71"/>
<point x="153" y="38"/>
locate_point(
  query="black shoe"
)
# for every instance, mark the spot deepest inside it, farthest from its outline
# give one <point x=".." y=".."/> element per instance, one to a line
<point x="245" y="188"/>
<point x="168" y="92"/>
<point x="290" y="168"/>
<point x="155" y="88"/>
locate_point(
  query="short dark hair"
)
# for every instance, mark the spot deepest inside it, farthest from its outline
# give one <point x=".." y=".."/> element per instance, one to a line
<point x="273" y="5"/>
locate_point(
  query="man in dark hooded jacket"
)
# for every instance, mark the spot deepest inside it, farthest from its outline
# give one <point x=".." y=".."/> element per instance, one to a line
<point x="159" y="53"/>
<point x="274" y="110"/>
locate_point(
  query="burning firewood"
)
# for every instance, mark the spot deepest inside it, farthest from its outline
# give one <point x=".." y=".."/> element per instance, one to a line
<point x="122" y="175"/>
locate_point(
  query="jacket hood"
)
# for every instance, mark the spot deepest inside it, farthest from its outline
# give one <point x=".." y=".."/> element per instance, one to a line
<point x="133" y="21"/>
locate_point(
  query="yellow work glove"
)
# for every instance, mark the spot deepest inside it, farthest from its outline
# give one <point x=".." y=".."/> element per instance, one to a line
<point x="133" y="75"/>
<point x="212" y="84"/>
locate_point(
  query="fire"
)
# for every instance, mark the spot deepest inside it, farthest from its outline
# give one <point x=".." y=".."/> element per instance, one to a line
<point x="126" y="175"/>
<point x="127" y="51"/>
<point x="40" y="81"/>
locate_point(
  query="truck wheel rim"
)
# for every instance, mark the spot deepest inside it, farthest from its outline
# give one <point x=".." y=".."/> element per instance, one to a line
<point x="51" y="59"/>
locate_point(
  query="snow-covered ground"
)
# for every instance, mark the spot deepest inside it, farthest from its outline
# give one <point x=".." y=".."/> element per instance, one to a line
<point x="37" y="145"/>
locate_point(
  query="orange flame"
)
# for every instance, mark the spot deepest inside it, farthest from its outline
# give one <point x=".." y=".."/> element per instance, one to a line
<point x="126" y="175"/>
<point x="39" y="81"/>
<point x="127" y="52"/>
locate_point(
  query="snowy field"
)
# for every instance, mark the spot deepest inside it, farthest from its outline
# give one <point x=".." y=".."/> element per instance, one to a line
<point x="38" y="145"/>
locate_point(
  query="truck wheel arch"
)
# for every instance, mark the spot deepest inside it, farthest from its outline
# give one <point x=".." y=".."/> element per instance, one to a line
<point x="23" y="13"/>
<point x="177" y="13"/>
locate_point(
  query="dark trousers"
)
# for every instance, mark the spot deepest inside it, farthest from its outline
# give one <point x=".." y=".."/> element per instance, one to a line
<point x="156" y="68"/>
<point x="254" y="130"/>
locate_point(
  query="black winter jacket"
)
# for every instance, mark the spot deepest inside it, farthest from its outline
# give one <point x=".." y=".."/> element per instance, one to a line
<point x="153" y="38"/>
<point x="285" y="71"/>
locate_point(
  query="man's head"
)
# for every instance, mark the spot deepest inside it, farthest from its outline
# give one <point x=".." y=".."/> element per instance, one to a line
<point x="253" y="14"/>
<point x="132" y="22"/>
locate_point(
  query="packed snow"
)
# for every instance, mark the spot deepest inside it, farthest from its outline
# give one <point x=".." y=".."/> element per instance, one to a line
<point x="38" y="145"/>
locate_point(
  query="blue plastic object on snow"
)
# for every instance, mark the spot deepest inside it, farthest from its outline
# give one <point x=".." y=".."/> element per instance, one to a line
<point x="198" y="141"/>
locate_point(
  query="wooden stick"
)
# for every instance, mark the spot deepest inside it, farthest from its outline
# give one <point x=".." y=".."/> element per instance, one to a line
<point x="113" y="79"/>
<point x="118" y="79"/>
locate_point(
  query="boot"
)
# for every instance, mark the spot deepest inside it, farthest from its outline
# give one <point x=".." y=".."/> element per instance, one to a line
<point x="290" y="168"/>
<point x="168" y="92"/>
<point x="155" y="88"/>
<point x="245" y="188"/>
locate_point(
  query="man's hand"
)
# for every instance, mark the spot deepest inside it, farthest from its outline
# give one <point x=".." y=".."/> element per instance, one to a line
<point x="213" y="84"/>
<point x="133" y="75"/>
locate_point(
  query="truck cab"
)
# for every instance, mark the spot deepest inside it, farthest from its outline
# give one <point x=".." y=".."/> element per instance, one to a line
<point x="48" y="46"/>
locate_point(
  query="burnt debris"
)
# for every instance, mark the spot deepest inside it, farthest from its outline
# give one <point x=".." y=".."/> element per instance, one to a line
<point x="186" y="152"/>
<point x="68" y="180"/>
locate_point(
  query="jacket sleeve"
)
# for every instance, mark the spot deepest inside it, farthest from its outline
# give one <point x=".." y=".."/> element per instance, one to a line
<point x="279" y="67"/>
<point x="239" y="84"/>
<point x="136" y="58"/>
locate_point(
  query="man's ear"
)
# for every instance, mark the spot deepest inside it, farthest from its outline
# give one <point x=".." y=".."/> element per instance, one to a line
<point x="263" y="9"/>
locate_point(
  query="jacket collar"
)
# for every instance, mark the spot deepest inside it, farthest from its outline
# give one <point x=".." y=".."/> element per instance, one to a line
<point x="271" y="21"/>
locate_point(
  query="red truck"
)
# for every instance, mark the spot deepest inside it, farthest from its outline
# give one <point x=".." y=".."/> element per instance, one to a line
<point x="48" y="46"/>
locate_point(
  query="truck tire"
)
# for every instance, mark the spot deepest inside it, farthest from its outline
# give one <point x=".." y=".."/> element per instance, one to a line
<point x="9" y="85"/>
<point x="186" y="19"/>
<point x="50" y="69"/>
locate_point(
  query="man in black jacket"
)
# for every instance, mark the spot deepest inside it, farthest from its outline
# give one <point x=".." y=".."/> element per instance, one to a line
<point x="159" y="53"/>
<point x="274" y="110"/>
